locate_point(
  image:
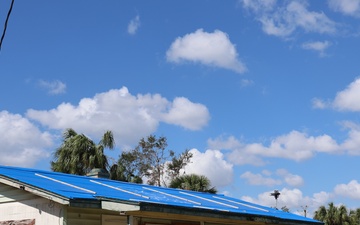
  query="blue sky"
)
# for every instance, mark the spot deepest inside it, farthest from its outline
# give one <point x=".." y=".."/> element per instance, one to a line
<point x="266" y="94"/>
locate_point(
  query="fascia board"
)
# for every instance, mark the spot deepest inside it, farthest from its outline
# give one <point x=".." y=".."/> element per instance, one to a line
<point x="36" y="191"/>
<point x="119" y="207"/>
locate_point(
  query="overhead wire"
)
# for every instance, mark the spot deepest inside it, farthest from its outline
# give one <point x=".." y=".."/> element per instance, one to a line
<point x="6" y="22"/>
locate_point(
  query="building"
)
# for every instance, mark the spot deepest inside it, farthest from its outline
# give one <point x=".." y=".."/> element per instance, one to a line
<point x="29" y="196"/>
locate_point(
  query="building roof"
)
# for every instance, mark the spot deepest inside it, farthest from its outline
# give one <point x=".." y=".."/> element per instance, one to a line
<point x="68" y="189"/>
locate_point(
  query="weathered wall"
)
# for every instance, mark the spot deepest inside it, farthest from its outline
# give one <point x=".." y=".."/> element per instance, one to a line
<point x="80" y="216"/>
<point x="16" y="204"/>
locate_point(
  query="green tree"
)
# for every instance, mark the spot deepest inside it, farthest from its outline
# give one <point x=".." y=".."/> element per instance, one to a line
<point x="146" y="160"/>
<point x="321" y="214"/>
<point x="78" y="154"/>
<point x="177" y="163"/>
<point x="151" y="160"/>
<point x="354" y="216"/>
<point x="127" y="168"/>
<point x="193" y="182"/>
<point x="342" y="216"/>
<point x="333" y="215"/>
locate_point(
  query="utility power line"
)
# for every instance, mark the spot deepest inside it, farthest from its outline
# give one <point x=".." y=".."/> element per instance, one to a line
<point x="6" y="22"/>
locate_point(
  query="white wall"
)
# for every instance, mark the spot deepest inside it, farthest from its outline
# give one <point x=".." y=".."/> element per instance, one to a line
<point x="16" y="204"/>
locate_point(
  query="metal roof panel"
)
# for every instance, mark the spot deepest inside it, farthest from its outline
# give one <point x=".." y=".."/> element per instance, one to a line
<point x="89" y="188"/>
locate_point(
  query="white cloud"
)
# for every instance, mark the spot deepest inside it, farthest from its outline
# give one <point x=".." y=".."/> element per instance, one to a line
<point x="295" y="145"/>
<point x="309" y="21"/>
<point x="211" y="49"/>
<point x="345" y="100"/>
<point x="238" y="154"/>
<point x="22" y="143"/>
<point x="290" y="179"/>
<point x="134" y="25"/>
<point x="293" y="199"/>
<point x="318" y="46"/>
<point x="259" y="179"/>
<point x="273" y="26"/>
<point x="319" y="103"/>
<point x="224" y="143"/>
<point x="350" y="190"/>
<point x="266" y="178"/>
<point x="347" y="7"/>
<point x="211" y="164"/>
<point x="246" y="83"/>
<point x="282" y="21"/>
<point x="54" y="87"/>
<point x="296" y="202"/>
<point x="129" y="117"/>
<point x="259" y="5"/>
<point x="352" y="144"/>
<point x="349" y="99"/>
<point x="321" y="198"/>
<point x="190" y="115"/>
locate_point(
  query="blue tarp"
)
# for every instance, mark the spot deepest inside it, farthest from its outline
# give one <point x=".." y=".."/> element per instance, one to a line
<point x="87" y="188"/>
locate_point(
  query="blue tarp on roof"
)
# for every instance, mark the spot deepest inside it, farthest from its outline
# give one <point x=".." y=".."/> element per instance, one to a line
<point x="87" y="188"/>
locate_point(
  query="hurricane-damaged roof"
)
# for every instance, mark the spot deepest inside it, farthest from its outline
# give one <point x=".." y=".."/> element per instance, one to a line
<point x="67" y="189"/>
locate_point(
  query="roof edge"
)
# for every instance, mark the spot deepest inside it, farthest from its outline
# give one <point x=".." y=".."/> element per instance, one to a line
<point x="153" y="207"/>
<point x="34" y="190"/>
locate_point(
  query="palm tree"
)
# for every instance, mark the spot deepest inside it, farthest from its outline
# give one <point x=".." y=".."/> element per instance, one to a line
<point x="333" y="215"/>
<point x="354" y="217"/>
<point x="193" y="182"/>
<point x="78" y="154"/>
<point x="342" y="216"/>
<point x="320" y="214"/>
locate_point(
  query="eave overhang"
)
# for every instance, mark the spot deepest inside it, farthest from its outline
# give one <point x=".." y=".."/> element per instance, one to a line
<point x="34" y="190"/>
<point x="218" y="214"/>
<point x="147" y="208"/>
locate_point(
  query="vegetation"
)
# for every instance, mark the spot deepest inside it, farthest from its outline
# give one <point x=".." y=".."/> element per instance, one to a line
<point x="193" y="182"/>
<point x="177" y="164"/>
<point x="333" y="215"/>
<point x="78" y="154"/>
<point x="149" y="160"/>
<point x="285" y="209"/>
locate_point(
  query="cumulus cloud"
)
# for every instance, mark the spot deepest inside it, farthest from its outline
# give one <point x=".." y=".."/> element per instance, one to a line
<point x="297" y="146"/>
<point x="350" y="190"/>
<point x="345" y="100"/>
<point x="292" y="199"/>
<point x="259" y="179"/>
<point x="283" y="21"/>
<point x="22" y="143"/>
<point x="53" y="87"/>
<point x="266" y="178"/>
<point x="290" y="179"/>
<point x="211" y="49"/>
<point x="185" y="113"/>
<point x="347" y="7"/>
<point x="130" y="117"/>
<point x="211" y="164"/>
<point x="352" y="144"/>
<point x="296" y="201"/>
<point x="134" y="25"/>
<point x="223" y="142"/>
<point x="349" y="99"/>
<point x="318" y="46"/>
